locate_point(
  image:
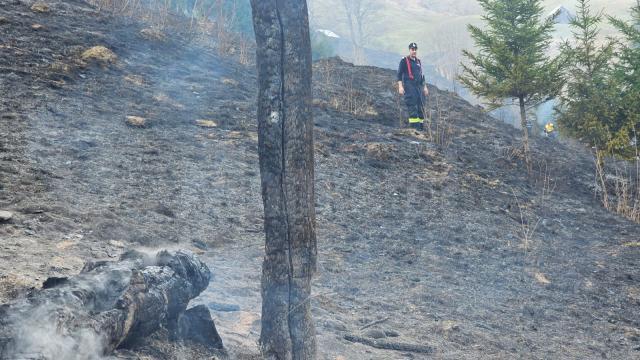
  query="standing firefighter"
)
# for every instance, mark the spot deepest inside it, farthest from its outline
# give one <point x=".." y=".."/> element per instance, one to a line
<point x="411" y="84"/>
<point x="549" y="130"/>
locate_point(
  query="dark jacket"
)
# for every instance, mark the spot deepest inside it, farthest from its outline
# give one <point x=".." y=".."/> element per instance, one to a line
<point x="416" y="71"/>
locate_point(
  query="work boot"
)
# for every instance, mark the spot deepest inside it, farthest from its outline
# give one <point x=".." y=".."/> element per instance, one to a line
<point x="416" y="123"/>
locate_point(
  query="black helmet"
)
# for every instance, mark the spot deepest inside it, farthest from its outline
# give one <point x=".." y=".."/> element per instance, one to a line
<point x="413" y="46"/>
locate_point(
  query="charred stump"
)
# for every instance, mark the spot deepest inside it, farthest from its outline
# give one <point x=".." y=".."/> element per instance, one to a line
<point x="108" y="305"/>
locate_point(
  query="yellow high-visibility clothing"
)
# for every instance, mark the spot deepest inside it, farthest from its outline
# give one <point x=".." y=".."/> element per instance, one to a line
<point x="548" y="128"/>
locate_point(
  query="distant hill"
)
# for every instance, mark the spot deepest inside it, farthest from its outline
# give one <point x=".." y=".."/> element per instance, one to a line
<point x="343" y="48"/>
<point x="440" y="25"/>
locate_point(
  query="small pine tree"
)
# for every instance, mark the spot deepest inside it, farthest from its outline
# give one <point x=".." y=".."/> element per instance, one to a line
<point x="512" y="61"/>
<point x="586" y="109"/>
<point x="627" y="75"/>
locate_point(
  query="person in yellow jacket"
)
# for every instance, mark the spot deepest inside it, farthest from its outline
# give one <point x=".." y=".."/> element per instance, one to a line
<point x="549" y="129"/>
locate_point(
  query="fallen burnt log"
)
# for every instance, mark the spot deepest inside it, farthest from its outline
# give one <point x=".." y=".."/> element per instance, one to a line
<point x="108" y="305"/>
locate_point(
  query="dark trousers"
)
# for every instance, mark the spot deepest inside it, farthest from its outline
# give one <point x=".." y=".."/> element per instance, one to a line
<point x="414" y="99"/>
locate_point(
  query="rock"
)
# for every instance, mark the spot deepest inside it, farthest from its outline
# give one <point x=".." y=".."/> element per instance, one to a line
<point x="3" y="20"/>
<point x="391" y="333"/>
<point x="54" y="281"/>
<point x="136" y="121"/>
<point x="199" y="244"/>
<point x="223" y="307"/>
<point x="40" y="7"/>
<point x="5" y="215"/>
<point x="196" y="325"/>
<point x="375" y="334"/>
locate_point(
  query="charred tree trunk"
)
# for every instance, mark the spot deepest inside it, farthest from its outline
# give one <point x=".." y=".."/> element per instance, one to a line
<point x="107" y="305"/>
<point x="285" y="140"/>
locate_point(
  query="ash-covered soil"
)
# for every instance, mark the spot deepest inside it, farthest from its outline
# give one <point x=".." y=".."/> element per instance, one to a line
<point x="434" y="239"/>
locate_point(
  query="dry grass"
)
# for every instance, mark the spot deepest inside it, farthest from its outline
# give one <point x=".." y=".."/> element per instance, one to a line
<point x="493" y="184"/>
<point x="206" y="23"/>
<point x="541" y="278"/>
<point x="99" y="54"/>
<point x="512" y="154"/>
<point x="230" y="82"/>
<point x="349" y="99"/>
<point x="325" y="76"/>
<point x="134" y="79"/>
<point x="153" y="34"/>
<point x="353" y="101"/>
<point x="438" y="123"/>
<point x="380" y="151"/>
<point x="544" y="180"/>
<point x="136" y="121"/>
<point x="618" y="185"/>
<point x="11" y="285"/>
<point x="206" y="123"/>
<point x="40" y="7"/>
<point x="528" y="224"/>
<point x="61" y="68"/>
<point x="164" y="98"/>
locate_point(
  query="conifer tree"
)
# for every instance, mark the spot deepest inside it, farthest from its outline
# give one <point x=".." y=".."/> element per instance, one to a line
<point x="587" y="109"/>
<point x="627" y="75"/>
<point x="512" y="65"/>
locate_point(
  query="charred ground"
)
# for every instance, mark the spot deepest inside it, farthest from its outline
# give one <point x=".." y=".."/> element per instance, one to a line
<point x="438" y="238"/>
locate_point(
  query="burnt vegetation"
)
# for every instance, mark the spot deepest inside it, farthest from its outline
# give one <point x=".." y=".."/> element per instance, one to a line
<point x="118" y="132"/>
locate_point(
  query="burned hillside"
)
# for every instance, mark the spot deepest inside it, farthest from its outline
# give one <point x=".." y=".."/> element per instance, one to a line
<point x="436" y="241"/>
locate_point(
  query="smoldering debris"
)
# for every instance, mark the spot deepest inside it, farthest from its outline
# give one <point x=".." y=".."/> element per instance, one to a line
<point x="106" y="306"/>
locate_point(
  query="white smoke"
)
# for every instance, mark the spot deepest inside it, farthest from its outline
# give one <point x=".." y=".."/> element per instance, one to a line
<point x="38" y="336"/>
<point x="59" y="327"/>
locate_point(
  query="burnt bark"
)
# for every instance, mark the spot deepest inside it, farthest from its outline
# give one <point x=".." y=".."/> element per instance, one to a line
<point x="285" y="141"/>
<point x="107" y="305"/>
<point x="195" y="325"/>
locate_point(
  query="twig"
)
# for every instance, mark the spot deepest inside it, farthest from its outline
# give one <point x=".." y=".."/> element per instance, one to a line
<point x="390" y="345"/>
<point x="374" y="323"/>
